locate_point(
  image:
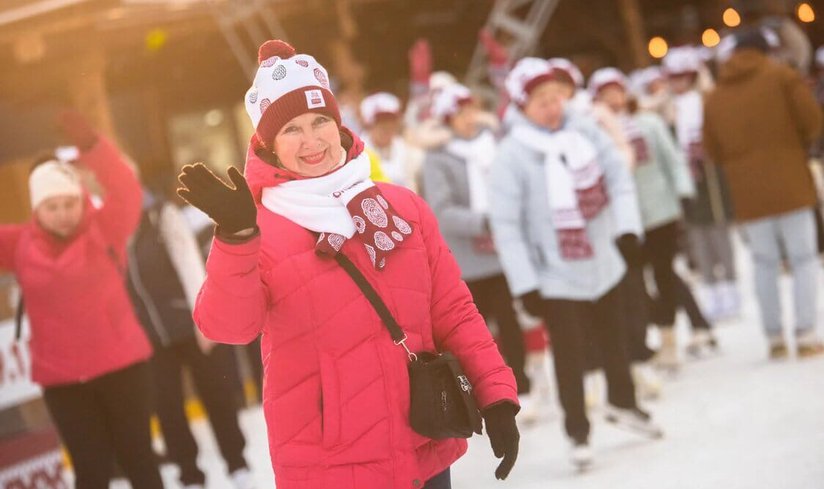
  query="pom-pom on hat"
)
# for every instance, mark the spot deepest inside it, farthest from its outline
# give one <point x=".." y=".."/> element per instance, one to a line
<point x="449" y="100"/>
<point x="568" y="68"/>
<point x="379" y="105"/>
<point x="605" y="77"/>
<point x="527" y="74"/>
<point x="51" y="179"/>
<point x="286" y="85"/>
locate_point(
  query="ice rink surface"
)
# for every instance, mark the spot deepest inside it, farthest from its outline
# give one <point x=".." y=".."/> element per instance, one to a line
<point x="733" y="420"/>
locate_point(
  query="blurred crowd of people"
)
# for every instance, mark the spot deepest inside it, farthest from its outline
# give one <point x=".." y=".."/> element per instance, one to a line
<point x="565" y="203"/>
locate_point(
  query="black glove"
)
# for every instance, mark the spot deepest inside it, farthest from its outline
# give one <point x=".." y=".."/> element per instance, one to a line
<point x="533" y="303"/>
<point x="76" y="129"/>
<point x="630" y="249"/>
<point x="502" y="431"/>
<point x="232" y="209"/>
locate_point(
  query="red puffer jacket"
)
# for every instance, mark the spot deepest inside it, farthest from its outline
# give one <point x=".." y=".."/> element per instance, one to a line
<point x="336" y="393"/>
<point x="82" y="321"/>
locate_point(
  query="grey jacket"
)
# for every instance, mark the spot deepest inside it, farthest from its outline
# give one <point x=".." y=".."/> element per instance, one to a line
<point x="664" y="178"/>
<point x="446" y="189"/>
<point x="522" y="225"/>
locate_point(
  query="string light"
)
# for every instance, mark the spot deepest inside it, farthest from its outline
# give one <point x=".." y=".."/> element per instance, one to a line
<point x="658" y="47"/>
<point x="731" y="18"/>
<point x="710" y="38"/>
<point x="805" y="13"/>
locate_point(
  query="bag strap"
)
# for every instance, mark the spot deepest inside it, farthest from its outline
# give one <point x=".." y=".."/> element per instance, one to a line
<point x="398" y="336"/>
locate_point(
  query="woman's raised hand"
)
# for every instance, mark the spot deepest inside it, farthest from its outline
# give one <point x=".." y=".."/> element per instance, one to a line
<point x="232" y="209"/>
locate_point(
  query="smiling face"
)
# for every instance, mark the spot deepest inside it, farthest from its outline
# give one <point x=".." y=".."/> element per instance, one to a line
<point x="309" y="145"/>
<point x="60" y="215"/>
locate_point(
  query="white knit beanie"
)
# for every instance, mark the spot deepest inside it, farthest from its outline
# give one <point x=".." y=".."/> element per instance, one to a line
<point x="569" y="68"/>
<point x="449" y="100"/>
<point x="287" y="85"/>
<point x="51" y="179"/>
<point x="377" y="105"/>
<point x="527" y="74"/>
<point x="682" y="60"/>
<point x="606" y="76"/>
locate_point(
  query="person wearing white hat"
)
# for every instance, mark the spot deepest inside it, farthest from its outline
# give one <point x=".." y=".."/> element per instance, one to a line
<point x="651" y="91"/>
<point x="663" y="181"/>
<point x="88" y="351"/>
<point x="381" y="114"/>
<point x="566" y="224"/>
<point x="708" y="215"/>
<point x="307" y="247"/>
<point x="455" y="183"/>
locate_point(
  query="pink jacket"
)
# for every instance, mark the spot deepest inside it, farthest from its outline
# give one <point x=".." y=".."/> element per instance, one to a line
<point x="336" y="389"/>
<point x="82" y="324"/>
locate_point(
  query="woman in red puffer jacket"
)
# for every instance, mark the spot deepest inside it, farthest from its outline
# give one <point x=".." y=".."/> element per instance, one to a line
<point x="336" y="388"/>
<point x="88" y="350"/>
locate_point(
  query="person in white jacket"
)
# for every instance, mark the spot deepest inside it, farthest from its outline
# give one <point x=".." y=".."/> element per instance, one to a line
<point x="565" y="221"/>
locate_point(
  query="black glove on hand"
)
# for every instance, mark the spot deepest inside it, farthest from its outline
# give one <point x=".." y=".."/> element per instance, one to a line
<point x="76" y="129"/>
<point x="232" y="209"/>
<point x="502" y="431"/>
<point x="533" y="303"/>
<point x="630" y="249"/>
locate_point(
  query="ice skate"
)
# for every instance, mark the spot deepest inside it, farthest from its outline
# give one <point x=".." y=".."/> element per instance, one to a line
<point x="702" y="342"/>
<point x="777" y="348"/>
<point x="667" y="357"/>
<point x="647" y="382"/>
<point x="581" y="455"/>
<point x="242" y="479"/>
<point x="809" y="345"/>
<point x="538" y="404"/>
<point x="633" y="419"/>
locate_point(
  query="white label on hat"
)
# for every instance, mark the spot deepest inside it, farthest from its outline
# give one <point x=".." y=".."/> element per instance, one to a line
<point x="314" y="99"/>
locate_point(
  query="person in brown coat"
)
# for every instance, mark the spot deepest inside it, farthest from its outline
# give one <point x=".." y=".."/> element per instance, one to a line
<point x="759" y="124"/>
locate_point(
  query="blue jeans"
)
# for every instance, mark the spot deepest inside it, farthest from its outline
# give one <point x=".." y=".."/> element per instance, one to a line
<point x="440" y="481"/>
<point x="794" y="234"/>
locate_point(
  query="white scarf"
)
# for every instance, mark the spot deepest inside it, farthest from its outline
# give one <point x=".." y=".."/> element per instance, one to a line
<point x="319" y="204"/>
<point x="478" y="153"/>
<point x="570" y="165"/>
<point x="689" y="118"/>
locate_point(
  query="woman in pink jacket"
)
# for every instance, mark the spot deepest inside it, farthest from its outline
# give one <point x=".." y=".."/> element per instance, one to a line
<point x="88" y="350"/>
<point x="336" y="388"/>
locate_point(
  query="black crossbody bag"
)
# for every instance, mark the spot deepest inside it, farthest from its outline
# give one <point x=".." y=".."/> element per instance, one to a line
<point x="441" y="400"/>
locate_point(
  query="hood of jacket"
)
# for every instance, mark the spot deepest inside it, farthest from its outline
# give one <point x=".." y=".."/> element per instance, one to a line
<point x="742" y="65"/>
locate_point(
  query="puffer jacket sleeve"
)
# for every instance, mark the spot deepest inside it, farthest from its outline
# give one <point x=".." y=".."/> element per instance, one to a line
<point x="9" y="237"/>
<point x="232" y="304"/>
<point x="673" y="161"/>
<point x="460" y="220"/>
<point x="620" y="183"/>
<point x="507" y="192"/>
<point x="120" y="214"/>
<point x="457" y="326"/>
